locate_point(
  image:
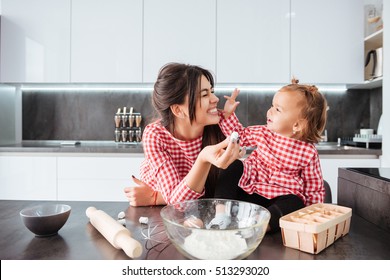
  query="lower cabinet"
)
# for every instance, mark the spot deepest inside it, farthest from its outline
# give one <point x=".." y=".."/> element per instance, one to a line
<point x="67" y="177"/>
<point x="28" y="177"/>
<point x="330" y="167"/>
<point x="96" y="178"/>
<point x="101" y="177"/>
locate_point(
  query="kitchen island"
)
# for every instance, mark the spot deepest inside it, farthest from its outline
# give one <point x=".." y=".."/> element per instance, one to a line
<point x="79" y="240"/>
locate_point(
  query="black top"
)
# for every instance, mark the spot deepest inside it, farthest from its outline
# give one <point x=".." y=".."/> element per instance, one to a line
<point x="380" y="173"/>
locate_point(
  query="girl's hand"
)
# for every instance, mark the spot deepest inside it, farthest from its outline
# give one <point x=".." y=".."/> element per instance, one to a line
<point x="142" y="194"/>
<point x="231" y="103"/>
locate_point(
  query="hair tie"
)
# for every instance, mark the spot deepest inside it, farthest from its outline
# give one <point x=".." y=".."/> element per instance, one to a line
<point x="155" y="193"/>
<point x="294" y="81"/>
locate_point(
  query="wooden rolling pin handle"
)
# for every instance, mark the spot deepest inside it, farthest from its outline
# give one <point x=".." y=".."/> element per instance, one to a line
<point x="116" y="234"/>
<point x="129" y="245"/>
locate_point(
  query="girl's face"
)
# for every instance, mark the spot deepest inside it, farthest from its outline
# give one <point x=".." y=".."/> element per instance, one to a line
<point x="206" y="106"/>
<point x="284" y="117"/>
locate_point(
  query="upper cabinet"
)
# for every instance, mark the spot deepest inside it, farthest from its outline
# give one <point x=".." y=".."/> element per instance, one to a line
<point x="327" y="41"/>
<point x="35" y="41"/>
<point x="373" y="42"/>
<point x="106" y="41"/>
<point x="121" y="41"/>
<point x="253" y="41"/>
<point x="373" y="45"/>
<point x="178" y="31"/>
<point x="373" y="73"/>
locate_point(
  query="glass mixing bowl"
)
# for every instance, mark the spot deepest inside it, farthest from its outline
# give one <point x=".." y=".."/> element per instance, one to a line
<point x="215" y="228"/>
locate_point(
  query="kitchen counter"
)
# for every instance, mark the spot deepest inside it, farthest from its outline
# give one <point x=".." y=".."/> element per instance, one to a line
<point x="327" y="148"/>
<point x="79" y="240"/>
<point x="72" y="147"/>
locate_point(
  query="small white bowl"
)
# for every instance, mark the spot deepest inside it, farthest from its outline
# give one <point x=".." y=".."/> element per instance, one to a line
<point x="45" y="220"/>
<point x="366" y="131"/>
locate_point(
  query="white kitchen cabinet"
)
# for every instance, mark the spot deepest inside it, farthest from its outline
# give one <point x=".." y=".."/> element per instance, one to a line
<point x="327" y="40"/>
<point x="28" y="177"/>
<point x="178" y="31"/>
<point x="330" y="167"/>
<point x="96" y="178"/>
<point x="249" y="41"/>
<point x="106" y="41"/>
<point x="253" y="41"/>
<point x="35" y="41"/>
<point x="79" y="177"/>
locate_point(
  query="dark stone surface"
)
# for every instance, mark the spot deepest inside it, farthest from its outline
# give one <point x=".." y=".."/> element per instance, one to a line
<point x="89" y="115"/>
<point x="79" y="240"/>
<point x="78" y="115"/>
<point x="368" y="196"/>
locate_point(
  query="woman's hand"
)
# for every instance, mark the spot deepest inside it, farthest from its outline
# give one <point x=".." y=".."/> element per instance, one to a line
<point x="231" y="103"/>
<point x="142" y="194"/>
<point x="223" y="154"/>
<point x="220" y="155"/>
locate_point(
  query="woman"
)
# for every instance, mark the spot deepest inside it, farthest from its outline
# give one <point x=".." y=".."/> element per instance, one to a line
<point x="184" y="148"/>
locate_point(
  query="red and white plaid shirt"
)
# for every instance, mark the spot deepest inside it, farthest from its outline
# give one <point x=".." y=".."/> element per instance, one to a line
<point x="167" y="163"/>
<point x="279" y="165"/>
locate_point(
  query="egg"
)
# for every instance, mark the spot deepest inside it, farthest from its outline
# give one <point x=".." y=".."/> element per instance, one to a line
<point x="234" y="136"/>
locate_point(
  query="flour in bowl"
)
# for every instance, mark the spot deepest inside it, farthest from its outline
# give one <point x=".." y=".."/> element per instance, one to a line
<point x="215" y="244"/>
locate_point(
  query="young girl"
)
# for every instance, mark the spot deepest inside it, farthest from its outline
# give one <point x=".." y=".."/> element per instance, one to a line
<point x="283" y="173"/>
<point x="185" y="147"/>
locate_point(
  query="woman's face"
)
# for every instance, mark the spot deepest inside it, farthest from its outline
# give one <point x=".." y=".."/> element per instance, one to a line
<point x="285" y="112"/>
<point x="206" y="106"/>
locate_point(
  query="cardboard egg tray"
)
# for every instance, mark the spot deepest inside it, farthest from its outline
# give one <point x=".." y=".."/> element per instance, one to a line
<point x="315" y="227"/>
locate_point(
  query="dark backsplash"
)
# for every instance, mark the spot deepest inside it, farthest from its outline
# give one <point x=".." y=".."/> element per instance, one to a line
<point x="89" y="115"/>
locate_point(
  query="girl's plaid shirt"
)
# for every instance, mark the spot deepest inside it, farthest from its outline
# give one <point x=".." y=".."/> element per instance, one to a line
<point x="279" y="165"/>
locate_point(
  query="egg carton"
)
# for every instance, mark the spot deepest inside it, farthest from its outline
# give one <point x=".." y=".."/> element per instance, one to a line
<point x="315" y="227"/>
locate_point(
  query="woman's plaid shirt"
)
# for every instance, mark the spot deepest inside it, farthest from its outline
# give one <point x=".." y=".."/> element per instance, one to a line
<point x="167" y="163"/>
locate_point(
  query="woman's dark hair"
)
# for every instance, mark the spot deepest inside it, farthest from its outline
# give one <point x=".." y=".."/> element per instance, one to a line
<point x="212" y="135"/>
<point x="174" y="83"/>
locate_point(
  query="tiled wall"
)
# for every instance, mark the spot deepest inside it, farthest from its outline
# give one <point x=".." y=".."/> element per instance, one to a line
<point x="89" y="115"/>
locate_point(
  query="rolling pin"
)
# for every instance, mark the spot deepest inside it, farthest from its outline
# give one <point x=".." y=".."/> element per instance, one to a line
<point x="116" y="234"/>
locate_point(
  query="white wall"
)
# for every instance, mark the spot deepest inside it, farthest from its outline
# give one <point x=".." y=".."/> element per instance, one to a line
<point x="386" y="87"/>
